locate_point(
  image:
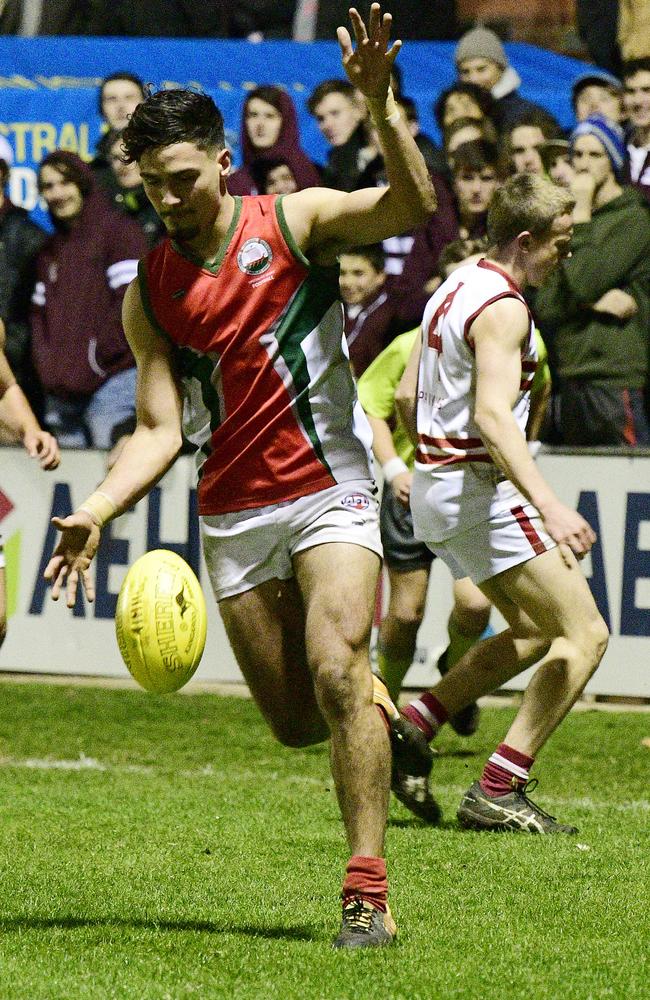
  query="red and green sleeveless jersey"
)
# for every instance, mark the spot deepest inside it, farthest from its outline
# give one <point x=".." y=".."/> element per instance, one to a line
<point x="269" y="399"/>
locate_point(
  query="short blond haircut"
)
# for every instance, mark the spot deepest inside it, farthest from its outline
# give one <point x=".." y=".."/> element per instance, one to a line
<point x="525" y="203"/>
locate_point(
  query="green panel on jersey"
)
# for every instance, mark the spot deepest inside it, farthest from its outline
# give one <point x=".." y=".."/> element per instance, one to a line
<point x="318" y="292"/>
<point x="201" y="367"/>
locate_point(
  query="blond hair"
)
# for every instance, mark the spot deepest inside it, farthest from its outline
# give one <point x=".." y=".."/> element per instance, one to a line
<point x="525" y="203"/>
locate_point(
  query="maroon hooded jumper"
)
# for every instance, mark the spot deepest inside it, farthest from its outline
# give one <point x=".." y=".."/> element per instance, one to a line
<point x="287" y="148"/>
<point x="82" y="274"/>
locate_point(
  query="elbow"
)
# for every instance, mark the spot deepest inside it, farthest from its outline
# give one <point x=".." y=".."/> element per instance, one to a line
<point x="486" y="421"/>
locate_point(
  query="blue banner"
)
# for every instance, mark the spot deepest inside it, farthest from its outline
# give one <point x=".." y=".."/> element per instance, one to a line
<point x="49" y="86"/>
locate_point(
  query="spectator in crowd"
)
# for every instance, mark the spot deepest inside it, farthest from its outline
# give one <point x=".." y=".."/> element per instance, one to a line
<point x="119" y="95"/>
<point x="78" y="345"/>
<point x="522" y="143"/>
<point x="124" y="187"/>
<point x="463" y="100"/>
<point x="463" y="130"/>
<point x="476" y="175"/>
<point x="481" y="58"/>
<point x="556" y="161"/>
<point x="595" y="310"/>
<point x="597" y="93"/>
<point x="20" y="241"/>
<point x="636" y="79"/>
<point x="274" y="176"/>
<point x="341" y="119"/>
<point x="269" y="131"/>
<point x="369" y="312"/>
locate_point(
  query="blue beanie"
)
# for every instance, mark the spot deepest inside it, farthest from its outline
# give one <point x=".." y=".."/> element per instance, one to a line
<point x="609" y="134"/>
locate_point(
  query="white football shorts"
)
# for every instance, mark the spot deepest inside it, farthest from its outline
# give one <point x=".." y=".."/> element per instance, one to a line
<point x="488" y="548"/>
<point x="246" y="548"/>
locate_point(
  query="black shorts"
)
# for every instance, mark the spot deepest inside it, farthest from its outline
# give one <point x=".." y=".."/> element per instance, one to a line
<point x="402" y="551"/>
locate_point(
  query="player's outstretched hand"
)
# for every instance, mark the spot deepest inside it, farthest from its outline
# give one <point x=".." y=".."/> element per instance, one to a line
<point x="368" y="66"/>
<point x="568" y="528"/>
<point x="73" y="556"/>
<point x="44" y="447"/>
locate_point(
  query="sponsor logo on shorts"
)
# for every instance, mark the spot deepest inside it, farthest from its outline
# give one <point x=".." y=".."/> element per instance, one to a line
<point x="355" y="501"/>
<point x="255" y="256"/>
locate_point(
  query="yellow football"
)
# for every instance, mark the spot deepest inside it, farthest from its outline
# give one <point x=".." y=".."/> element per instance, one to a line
<point x="161" y="621"/>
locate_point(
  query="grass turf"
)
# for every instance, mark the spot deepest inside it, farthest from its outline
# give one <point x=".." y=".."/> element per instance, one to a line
<point x="167" y="848"/>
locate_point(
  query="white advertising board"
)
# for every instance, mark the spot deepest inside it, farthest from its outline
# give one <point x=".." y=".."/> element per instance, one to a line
<point x="613" y="493"/>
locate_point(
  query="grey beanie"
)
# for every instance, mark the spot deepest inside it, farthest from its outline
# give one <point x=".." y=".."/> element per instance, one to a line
<point x="481" y="43"/>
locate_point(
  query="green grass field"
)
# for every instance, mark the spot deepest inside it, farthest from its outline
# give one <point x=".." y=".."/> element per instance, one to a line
<point x="168" y="848"/>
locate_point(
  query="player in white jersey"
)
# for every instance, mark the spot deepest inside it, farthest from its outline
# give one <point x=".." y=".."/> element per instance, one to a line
<point x="481" y="504"/>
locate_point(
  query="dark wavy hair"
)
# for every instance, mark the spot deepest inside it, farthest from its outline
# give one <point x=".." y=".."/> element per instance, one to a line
<point x="482" y="98"/>
<point x="71" y="167"/>
<point x="170" y="116"/>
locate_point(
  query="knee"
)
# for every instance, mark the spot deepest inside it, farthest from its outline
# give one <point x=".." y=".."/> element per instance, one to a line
<point x="338" y="688"/>
<point x="596" y="638"/>
<point x="406" y="616"/>
<point x="471" y="616"/>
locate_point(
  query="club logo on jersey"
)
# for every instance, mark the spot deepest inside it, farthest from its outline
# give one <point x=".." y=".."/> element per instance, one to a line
<point x="355" y="501"/>
<point x="255" y="256"/>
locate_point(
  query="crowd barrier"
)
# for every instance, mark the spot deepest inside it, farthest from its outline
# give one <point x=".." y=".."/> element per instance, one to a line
<point x="49" y="87"/>
<point x="611" y="491"/>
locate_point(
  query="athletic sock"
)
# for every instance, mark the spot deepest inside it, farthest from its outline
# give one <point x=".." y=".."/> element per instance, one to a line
<point x="506" y="770"/>
<point x="459" y="643"/>
<point x="427" y="713"/>
<point x="392" y="669"/>
<point x="366" y="878"/>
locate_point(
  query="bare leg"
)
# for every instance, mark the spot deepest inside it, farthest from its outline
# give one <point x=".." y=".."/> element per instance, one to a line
<point x="471" y="612"/>
<point x="558" y="600"/>
<point x="338" y="584"/>
<point x="560" y="626"/>
<point x="266" y="629"/>
<point x="399" y="629"/>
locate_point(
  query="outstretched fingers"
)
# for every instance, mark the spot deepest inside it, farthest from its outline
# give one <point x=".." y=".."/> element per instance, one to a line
<point x="345" y="42"/>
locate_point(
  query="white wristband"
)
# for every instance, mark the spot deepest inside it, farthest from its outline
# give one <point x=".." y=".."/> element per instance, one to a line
<point x="393" y="467"/>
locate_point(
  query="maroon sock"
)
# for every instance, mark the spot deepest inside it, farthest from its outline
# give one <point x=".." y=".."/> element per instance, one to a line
<point x="427" y="713"/>
<point x="366" y="878"/>
<point x="507" y="769"/>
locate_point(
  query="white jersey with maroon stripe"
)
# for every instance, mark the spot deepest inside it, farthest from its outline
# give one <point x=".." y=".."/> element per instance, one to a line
<point x="450" y="453"/>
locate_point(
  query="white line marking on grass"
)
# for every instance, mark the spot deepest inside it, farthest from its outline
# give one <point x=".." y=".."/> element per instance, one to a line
<point x="84" y="763"/>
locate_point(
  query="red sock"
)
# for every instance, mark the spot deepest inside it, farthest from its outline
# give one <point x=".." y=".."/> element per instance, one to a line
<point x="507" y="769"/>
<point x="427" y="713"/>
<point x="366" y="878"/>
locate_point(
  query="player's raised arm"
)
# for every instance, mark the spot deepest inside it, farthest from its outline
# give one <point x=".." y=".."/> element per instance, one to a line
<point x="324" y="221"/>
<point x="146" y="456"/>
